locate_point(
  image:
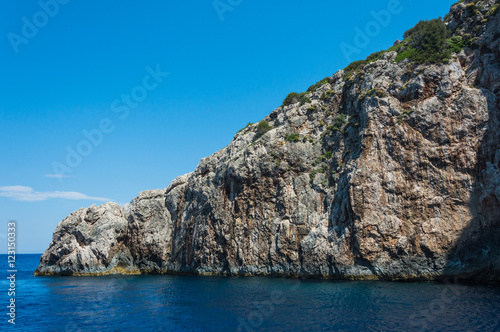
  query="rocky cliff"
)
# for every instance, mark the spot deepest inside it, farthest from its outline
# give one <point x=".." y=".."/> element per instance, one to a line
<point x="388" y="169"/>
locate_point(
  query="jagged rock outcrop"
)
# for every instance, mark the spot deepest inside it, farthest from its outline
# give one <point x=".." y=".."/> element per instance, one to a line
<point x="112" y="239"/>
<point x="390" y="172"/>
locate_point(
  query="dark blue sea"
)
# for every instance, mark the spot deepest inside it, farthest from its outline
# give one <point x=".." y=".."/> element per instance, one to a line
<point x="193" y="303"/>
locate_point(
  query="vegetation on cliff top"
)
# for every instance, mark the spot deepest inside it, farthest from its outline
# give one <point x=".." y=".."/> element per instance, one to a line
<point x="428" y="42"/>
<point x="262" y="128"/>
<point x="295" y="97"/>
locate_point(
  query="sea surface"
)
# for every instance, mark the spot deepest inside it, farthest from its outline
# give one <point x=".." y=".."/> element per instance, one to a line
<point x="195" y="303"/>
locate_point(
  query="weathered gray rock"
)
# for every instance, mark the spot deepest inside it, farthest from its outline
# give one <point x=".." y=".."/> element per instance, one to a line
<point x="111" y="239"/>
<point x="395" y="176"/>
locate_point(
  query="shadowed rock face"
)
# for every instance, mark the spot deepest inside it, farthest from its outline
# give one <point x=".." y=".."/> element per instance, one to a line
<point x="395" y="176"/>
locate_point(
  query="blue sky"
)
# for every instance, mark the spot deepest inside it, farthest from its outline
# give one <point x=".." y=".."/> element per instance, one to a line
<point x="99" y="69"/>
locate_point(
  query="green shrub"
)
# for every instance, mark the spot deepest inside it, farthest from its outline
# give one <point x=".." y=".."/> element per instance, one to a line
<point x="326" y="95"/>
<point x="293" y="138"/>
<point x="456" y="43"/>
<point x="427" y="42"/>
<point x="311" y="177"/>
<point x="353" y="66"/>
<point x="340" y="120"/>
<point x="395" y="48"/>
<point x="319" y="160"/>
<point x="494" y="9"/>
<point x="262" y="128"/>
<point x="328" y="154"/>
<point x="406" y="54"/>
<point x="303" y="99"/>
<point x="375" y="56"/>
<point x="428" y="38"/>
<point x="292" y="98"/>
<point x="318" y="84"/>
<point x="357" y="65"/>
<point x="295" y="97"/>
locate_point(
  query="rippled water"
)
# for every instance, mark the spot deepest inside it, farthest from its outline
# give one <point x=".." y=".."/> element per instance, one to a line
<point x="190" y="303"/>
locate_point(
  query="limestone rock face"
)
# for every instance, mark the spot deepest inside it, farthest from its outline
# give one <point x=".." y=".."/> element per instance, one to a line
<point x="111" y="239"/>
<point x="394" y="174"/>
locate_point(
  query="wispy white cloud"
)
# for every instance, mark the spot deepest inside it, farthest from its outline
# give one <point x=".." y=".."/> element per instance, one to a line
<point x="56" y="176"/>
<point x="28" y="194"/>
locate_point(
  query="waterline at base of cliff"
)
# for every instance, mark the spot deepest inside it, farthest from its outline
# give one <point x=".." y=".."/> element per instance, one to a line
<point x="177" y="303"/>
